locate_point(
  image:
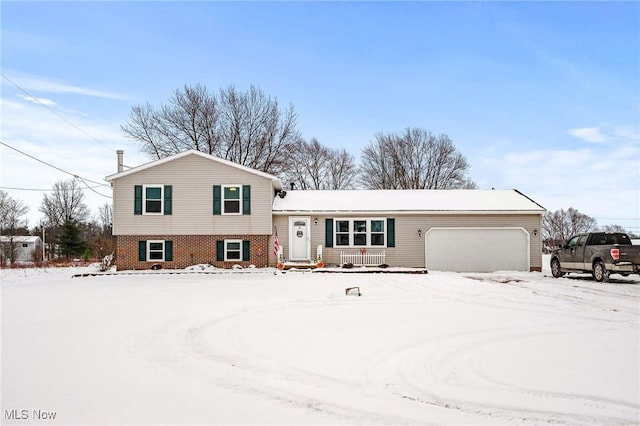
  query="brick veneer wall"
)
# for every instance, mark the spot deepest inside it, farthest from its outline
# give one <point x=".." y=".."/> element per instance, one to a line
<point x="190" y="250"/>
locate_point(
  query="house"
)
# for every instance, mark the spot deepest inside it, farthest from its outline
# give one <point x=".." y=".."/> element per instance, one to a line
<point x="26" y="248"/>
<point x="193" y="208"/>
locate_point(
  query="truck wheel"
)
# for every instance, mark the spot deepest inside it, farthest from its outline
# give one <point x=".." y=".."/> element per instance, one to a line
<point x="555" y="268"/>
<point x="600" y="272"/>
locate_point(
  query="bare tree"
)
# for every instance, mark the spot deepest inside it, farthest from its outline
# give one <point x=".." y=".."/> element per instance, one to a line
<point x="617" y="228"/>
<point x="12" y="212"/>
<point x="248" y="128"/>
<point x="11" y="219"/>
<point x="415" y="159"/>
<point x="342" y="170"/>
<point x="105" y="216"/>
<point x="315" y="166"/>
<point x="562" y="224"/>
<point x="65" y="204"/>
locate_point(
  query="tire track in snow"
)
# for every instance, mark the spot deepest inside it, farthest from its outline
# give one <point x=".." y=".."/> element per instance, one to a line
<point x="441" y="372"/>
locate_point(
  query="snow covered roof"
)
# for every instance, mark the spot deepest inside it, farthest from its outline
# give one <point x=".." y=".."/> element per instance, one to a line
<point x="20" y="239"/>
<point x="408" y="201"/>
<point x="276" y="181"/>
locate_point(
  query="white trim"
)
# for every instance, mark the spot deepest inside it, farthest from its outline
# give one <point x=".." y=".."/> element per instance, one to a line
<point x="144" y="199"/>
<point x="226" y="259"/>
<point x="307" y="220"/>
<point x="392" y="213"/>
<point x="164" y="250"/>
<point x="276" y="182"/>
<point x="352" y="232"/>
<point x="222" y="200"/>
<point x="481" y="228"/>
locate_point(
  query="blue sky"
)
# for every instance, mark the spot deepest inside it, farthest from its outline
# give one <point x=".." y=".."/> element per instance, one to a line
<point x="543" y="97"/>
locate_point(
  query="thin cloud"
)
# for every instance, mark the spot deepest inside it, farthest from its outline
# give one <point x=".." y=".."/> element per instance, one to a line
<point x="589" y="134"/>
<point x="45" y="85"/>
<point x="41" y="101"/>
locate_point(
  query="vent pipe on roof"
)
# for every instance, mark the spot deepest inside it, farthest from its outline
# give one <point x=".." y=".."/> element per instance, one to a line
<point x="120" y="154"/>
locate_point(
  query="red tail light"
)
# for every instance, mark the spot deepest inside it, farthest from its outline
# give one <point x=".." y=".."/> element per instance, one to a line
<point x="615" y="254"/>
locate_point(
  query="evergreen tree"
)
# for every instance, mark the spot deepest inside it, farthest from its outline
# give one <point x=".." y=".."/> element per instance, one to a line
<point x="70" y="242"/>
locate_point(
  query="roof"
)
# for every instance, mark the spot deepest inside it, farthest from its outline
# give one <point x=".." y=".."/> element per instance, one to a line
<point x="407" y="201"/>
<point x="274" y="179"/>
<point x="20" y="239"/>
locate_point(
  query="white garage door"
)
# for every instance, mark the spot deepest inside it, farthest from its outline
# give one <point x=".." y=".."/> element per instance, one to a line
<point x="477" y="249"/>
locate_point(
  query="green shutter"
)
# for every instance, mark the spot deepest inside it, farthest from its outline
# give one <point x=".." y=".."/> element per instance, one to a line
<point x="246" y="199"/>
<point x="167" y="199"/>
<point x="168" y="251"/>
<point x="391" y="232"/>
<point x="217" y="200"/>
<point x="142" y="251"/>
<point x="137" y="198"/>
<point x="220" y="250"/>
<point x="328" y="232"/>
<point x="246" y="250"/>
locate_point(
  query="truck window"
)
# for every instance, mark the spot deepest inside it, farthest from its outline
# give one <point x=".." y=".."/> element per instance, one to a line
<point x="582" y="240"/>
<point x="604" y="238"/>
<point x="598" y="239"/>
<point x="618" y="238"/>
<point x="573" y="241"/>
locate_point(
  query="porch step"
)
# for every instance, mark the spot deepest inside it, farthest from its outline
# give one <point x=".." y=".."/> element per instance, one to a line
<point x="299" y="265"/>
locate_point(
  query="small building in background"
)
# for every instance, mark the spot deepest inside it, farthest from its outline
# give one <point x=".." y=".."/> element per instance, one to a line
<point x="20" y="249"/>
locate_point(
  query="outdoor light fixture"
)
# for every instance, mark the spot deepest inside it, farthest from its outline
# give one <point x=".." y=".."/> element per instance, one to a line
<point x="419" y="233"/>
<point x="535" y="232"/>
<point x="315" y="221"/>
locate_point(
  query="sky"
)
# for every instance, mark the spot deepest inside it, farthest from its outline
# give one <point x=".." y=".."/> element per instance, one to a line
<point x="543" y="97"/>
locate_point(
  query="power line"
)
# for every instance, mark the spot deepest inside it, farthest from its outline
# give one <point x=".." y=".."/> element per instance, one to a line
<point x="51" y="110"/>
<point x="13" y="188"/>
<point x="51" y="165"/>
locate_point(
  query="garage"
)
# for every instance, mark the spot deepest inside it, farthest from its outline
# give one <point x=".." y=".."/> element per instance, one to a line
<point x="477" y="249"/>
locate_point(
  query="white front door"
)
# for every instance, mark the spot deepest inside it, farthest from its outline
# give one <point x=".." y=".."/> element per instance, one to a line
<point x="299" y="238"/>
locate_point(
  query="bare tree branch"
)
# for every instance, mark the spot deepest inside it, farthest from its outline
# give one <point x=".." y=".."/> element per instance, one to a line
<point x="415" y="159"/>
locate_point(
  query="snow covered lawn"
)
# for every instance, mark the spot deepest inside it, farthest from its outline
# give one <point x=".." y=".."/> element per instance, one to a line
<point x="261" y="347"/>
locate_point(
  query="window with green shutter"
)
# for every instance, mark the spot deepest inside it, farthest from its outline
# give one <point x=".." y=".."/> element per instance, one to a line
<point x="142" y="251"/>
<point x="246" y="199"/>
<point x="246" y="250"/>
<point x="217" y="200"/>
<point x="155" y="251"/>
<point x="152" y="199"/>
<point x="391" y="232"/>
<point x="168" y="250"/>
<point x="328" y="232"/>
<point x="220" y="250"/>
<point x="360" y="232"/>
<point x="137" y="199"/>
<point x="168" y="193"/>
<point x="232" y="199"/>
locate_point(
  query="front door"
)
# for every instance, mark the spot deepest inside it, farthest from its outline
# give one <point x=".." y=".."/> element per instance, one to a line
<point x="299" y="238"/>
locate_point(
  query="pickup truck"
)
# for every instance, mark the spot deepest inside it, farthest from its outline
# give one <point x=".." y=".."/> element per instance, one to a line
<point x="600" y="253"/>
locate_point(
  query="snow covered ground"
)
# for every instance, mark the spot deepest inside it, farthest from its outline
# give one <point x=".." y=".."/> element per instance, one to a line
<point x="263" y="347"/>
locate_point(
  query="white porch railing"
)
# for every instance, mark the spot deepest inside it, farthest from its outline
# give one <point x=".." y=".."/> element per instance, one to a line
<point x="368" y="258"/>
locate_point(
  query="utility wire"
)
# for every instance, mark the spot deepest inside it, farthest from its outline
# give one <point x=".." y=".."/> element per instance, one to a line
<point x="52" y="110"/>
<point x="37" y="189"/>
<point x="51" y="165"/>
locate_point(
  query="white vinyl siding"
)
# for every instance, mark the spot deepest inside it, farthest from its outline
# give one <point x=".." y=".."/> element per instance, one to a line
<point x="192" y="178"/>
<point x="409" y="250"/>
